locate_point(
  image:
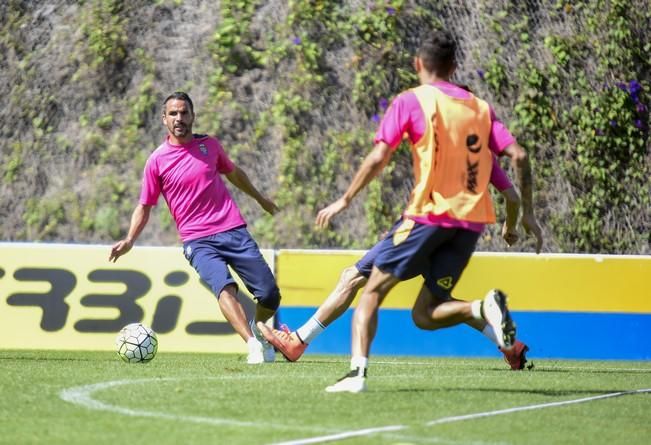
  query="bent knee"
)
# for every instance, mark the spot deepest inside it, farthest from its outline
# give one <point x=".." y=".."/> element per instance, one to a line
<point x="270" y="298"/>
<point x="420" y="320"/>
<point x="352" y="278"/>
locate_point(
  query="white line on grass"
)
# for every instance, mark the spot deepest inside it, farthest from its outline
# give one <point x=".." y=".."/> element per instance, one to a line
<point x="368" y="431"/>
<point x="83" y="396"/>
<point x="532" y="407"/>
<point x="344" y="435"/>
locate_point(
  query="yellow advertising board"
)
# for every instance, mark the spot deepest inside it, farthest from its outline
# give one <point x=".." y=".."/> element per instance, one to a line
<point x="548" y="282"/>
<point x="56" y="296"/>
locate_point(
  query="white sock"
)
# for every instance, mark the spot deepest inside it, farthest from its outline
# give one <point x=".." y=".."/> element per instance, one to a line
<point x="475" y="307"/>
<point x="310" y="330"/>
<point x="359" y="363"/>
<point x="490" y="334"/>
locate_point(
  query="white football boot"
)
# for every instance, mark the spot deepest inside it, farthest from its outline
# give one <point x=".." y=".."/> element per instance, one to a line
<point x="496" y="313"/>
<point x="268" y="351"/>
<point x="256" y="352"/>
<point x="353" y="382"/>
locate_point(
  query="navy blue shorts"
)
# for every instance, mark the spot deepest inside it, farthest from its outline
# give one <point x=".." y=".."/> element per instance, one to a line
<point x="365" y="264"/>
<point x="410" y="249"/>
<point x="211" y="255"/>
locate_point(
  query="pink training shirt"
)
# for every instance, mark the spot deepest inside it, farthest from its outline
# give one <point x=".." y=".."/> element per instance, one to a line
<point x="499" y="179"/>
<point x="405" y="118"/>
<point x="189" y="178"/>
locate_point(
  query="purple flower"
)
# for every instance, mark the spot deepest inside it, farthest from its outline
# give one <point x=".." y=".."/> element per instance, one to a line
<point x="613" y="123"/>
<point x="621" y="86"/>
<point x="296" y="40"/>
<point x="640" y="108"/>
<point x="638" y="124"/>
<point x="599" y="132"/>
<point x="634" y="87"/>
<point x="376" y="118"/>
<point x="391" y="10"/>
<point x="383" y="103"/>
<point x="480" y="73"/>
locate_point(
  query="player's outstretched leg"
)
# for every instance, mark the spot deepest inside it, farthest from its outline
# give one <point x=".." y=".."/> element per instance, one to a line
<point x="516" y="356"/>
<point x="495" y="311"/>
<point x="354" y="382"/>
<point x="288" y="343"/>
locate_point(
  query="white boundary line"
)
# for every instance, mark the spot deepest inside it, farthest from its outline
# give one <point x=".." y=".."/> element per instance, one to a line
<point x="82" y="396"/>
<point x="532" y="407"/>
<point x="343" y="436"/>
<point x="368" y="431"/>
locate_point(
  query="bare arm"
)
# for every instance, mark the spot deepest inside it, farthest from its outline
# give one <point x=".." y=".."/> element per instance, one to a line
<point x="509" y="229"/>
<point x="139" y="220"/>
<point x="240" y="180"/>
<point x="522" y="167"/>
<point x="372" y="165"/>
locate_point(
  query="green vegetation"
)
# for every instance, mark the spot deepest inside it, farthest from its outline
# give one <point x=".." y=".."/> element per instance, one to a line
<point x="585" y="119"/>
<point x="207" y="398"/>
<point x="295" y="90"/>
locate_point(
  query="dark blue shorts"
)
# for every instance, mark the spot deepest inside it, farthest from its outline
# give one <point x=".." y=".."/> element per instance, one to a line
<point x="410" y="249"/>
<point x="211" y="255"/>
<point x="365" y="264"/>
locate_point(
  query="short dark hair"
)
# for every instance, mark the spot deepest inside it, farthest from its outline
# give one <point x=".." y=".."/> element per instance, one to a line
<point x="438" y="52"/>
<point x="179" y="95"/>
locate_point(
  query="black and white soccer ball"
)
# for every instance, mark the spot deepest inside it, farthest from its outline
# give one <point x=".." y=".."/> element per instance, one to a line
<point x="136" y="343"/>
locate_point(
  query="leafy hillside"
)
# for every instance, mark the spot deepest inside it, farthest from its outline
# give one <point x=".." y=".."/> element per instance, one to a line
<point x="294" y="90"/>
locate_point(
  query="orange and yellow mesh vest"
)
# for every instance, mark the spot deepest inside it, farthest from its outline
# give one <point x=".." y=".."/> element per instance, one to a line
<point x="452" y="162"/>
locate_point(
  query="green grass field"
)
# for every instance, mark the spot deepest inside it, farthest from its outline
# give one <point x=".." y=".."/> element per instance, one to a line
<point x="218" y="399"/>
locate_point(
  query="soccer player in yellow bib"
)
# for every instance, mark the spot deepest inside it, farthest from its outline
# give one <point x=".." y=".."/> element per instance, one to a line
<point x="440" y="312"/>
<point x="448" y="206"/>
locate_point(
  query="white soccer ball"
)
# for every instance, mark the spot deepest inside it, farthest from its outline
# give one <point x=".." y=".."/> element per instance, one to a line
<point x="136" y="343"/>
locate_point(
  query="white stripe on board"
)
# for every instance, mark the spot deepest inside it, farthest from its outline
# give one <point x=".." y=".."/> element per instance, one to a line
<point x="545" y="255"/>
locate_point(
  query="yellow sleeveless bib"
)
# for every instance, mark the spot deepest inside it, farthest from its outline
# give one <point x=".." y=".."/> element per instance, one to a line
<point x="452" y="162"/>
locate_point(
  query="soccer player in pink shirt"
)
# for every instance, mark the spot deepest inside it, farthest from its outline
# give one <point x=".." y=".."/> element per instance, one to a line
<point x="447" y="209"/>
<point x="186" y="169"/>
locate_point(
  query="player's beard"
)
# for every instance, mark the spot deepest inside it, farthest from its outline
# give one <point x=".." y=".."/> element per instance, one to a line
<point x="180" y="130"/>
